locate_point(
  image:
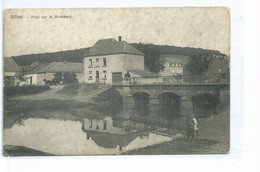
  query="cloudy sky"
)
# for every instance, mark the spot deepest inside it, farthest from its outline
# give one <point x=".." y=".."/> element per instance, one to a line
<point x="206" y="28"/>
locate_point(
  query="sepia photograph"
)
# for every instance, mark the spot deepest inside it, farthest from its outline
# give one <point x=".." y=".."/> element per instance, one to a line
<point x="116" y="81"/>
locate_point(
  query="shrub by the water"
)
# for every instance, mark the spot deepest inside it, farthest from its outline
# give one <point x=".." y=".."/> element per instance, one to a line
<point x="25" y="90"/>
<point x="109" y="102"/>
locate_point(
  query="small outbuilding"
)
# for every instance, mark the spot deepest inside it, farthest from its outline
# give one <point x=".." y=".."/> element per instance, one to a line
<point x="40" y="74"/>
<point x="10" y="71"/>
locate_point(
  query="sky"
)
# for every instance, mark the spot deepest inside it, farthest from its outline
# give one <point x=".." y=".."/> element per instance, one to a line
<point x="207" y="28"/>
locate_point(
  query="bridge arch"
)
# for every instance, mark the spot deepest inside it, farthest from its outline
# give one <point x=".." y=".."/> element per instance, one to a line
<point x="204" y="104"/>
<point x="170" y="105"/>
<point x="141" y="103"/>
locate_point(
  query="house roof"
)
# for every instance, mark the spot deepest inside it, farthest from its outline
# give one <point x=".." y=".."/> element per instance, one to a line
<point x="111" y="140"/>
<point x="143" y="73"/>
<point x="112" y="46"/>
<point x="74" y="56"/>
<point x="10" y="65"/>
<point x="182" y="59"/>
<point x="56" y="67"/>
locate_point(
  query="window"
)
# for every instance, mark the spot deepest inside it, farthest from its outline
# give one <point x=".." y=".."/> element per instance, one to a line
<point x="104" y="125"/>
<point x="97" y="62"/>
<point x="90" y="124"/>
<point x="90" y="75"/>
<point x="104" y="62"/>
<point x="104" y="74"/>
<point x="90" y="63"/>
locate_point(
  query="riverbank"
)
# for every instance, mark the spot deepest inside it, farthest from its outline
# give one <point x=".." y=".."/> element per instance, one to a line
<point x="214" y="139"/>
<point x="214" y="130"/>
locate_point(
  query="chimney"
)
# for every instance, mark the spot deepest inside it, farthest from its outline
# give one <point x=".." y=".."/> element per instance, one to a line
<point x="119" y="38"/>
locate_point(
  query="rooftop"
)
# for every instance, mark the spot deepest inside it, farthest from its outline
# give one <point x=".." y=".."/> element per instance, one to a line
<point x="112" y="46"/>
<point x="74" y="56"/>
<point x="10" y="65"/>
<point x="56" y="67"/>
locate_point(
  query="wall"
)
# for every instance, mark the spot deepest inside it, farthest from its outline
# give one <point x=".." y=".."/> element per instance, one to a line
<point x="115" y="63"/>
<point x="34" y="79"/>
<point x="80" y="77"/>
<point x="41" y="77"/>
<point x="148" y="80"/>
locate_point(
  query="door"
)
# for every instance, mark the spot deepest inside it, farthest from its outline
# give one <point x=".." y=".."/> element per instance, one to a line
<point x="97" y="76"/>
<point x="117" y="78"/>
<point x="30" y="80"/>
<point x="12" y="81"/>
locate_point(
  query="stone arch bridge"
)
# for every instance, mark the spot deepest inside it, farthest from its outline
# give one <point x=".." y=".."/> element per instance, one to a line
<point x="185" y="96"/>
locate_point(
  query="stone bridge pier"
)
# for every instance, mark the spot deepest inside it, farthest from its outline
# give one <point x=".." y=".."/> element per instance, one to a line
<point x="185" y="97"/>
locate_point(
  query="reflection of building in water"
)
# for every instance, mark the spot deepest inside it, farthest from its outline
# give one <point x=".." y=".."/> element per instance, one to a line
<point x="105" y="125"/>
<point x="104" y="133"/>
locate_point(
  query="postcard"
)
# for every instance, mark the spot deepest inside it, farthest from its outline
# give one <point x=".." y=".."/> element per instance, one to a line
<point x="116" y="81"/>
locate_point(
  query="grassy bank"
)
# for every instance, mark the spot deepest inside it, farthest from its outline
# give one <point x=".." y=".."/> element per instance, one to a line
<point x="214" y="138"/>
<point x="25" y="90"/>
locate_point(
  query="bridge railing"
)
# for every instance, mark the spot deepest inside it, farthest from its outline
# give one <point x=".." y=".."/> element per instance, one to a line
<point x="178" y="79"/>
<point x="205" y="78"/>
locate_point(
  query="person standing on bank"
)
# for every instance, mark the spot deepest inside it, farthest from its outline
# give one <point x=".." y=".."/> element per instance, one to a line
<point x="196" y="125"/>
<point x="127" y="77"/>
<point x="190" y="126"/>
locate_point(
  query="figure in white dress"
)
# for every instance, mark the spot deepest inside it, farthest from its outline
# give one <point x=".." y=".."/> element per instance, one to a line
<point x="196" y="125"/>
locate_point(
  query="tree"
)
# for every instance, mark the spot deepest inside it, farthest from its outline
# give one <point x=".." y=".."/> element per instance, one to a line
<point x="70" y="78"/>
<point x="21" y="76"/>
<point x="57" y="77"/>
<point x="198" y="64"/>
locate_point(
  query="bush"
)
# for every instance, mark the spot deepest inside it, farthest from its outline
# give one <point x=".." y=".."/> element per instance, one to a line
<point x="109" y="102"/>
<point x="70" y="78"/>
<point x="24" y="90"/>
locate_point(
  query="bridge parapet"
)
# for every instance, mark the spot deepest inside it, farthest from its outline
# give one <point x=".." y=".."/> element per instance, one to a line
<point x="177" y="79"/>
<point x="184" y="91"/>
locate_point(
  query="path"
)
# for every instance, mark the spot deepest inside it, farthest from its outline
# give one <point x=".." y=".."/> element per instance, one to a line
<point x="88" y="97"/>
<point x="49" y="94"/>
<point x="52" y="94"/>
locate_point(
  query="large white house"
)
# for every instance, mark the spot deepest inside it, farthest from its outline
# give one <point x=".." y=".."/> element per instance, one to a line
<point x="109" y="60"/>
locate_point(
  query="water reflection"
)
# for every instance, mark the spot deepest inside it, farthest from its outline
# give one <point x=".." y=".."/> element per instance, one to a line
<point x="86" y="137"/>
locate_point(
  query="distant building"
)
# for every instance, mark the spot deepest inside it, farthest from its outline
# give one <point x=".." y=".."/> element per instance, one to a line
<point x="174" y="64"/>
<point x="37" y="73"/>
<point x="109" y="60"/>
<point x="143" y="77"/>
<point x="219" y="64"/>
<point x="10" y="70"/>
